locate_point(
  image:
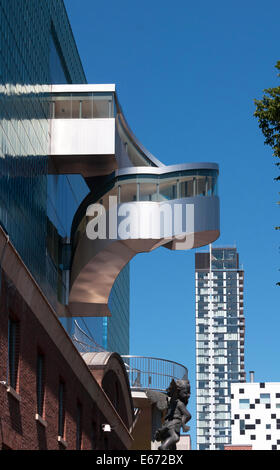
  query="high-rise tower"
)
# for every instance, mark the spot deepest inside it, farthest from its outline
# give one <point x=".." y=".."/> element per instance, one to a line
<point x="219" y="342"/>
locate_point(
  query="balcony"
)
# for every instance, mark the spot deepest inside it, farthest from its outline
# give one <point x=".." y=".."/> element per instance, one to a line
<point x="148" y="198"/>
<point x="153" y="373"/>
<point x="143" y="372"/>
<point x="89" y="134"/>
<point x="135" y="204"/>
<point x="82" y="129"/>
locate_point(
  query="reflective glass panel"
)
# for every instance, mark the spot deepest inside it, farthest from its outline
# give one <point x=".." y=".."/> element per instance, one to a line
<point x="128" y="191"/>
<point x="167" y="189"/>
<point x="83" y="105"/>
<point x="244" y="403"/>
<point x="187" y="186"/>
<point x="148" y="188"/>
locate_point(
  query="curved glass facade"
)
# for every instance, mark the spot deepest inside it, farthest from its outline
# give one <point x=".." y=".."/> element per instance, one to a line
<point x="148" y="187"/>
<point x="159" y="188"/>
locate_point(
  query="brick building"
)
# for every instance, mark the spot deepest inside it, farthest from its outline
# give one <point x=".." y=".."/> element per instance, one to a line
<point x="49" y="398"/>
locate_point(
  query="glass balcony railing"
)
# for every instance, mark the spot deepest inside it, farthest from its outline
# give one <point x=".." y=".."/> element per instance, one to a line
<point x="83" y="106"/>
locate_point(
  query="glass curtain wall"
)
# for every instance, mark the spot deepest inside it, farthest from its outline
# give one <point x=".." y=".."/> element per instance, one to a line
<point x="37" y="49"/>
<point x="36" y="209"/>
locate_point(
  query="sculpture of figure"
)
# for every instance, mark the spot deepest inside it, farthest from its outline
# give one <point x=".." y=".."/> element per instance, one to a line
<point x="177" y="415"/>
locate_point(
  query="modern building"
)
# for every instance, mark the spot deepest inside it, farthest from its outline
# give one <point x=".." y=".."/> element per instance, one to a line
<point x="255" y="414"/>
<point x="80" y="196"/>
<point x="37" y="206"/>
<point x="219" y="284"/>
<point x="38" y="361"/>
<point x="135" y="203"/>
<point x="110" y="333"/>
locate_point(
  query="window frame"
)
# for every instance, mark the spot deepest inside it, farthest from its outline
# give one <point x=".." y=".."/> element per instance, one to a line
<point x="13" y="352"/>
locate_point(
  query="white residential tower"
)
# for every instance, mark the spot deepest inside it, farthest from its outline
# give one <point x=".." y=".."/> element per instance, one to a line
<point x="219" y="342"/>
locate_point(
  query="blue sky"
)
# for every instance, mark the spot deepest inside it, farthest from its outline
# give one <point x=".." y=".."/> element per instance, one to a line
<point x="187" y="74"/>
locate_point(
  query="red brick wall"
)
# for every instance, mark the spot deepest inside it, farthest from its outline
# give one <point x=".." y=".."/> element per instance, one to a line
<point x="18" y="427"/>
<point x="236" y="447"/>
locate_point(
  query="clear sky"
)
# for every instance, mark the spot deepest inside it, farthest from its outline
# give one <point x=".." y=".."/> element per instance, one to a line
<point x="187" y="73"/>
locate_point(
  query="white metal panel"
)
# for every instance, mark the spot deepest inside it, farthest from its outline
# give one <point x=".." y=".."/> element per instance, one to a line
<point x="82" y="137"/>
<point x="84" y="88"/>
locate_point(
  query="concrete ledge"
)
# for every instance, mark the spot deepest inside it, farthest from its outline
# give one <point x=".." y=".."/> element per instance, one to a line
<point x="41" y="420"/>
<point x="12" y="391"/>
<point x="62" y="441"/>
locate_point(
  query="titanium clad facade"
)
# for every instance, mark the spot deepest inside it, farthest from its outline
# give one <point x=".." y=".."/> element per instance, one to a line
<point x="36" y="208"/>
<point x="219" y="343"/>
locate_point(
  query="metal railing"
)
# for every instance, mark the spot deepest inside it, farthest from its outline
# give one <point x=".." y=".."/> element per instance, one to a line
<point x="83" y="342"/>
<point x="144" y="372"/>
<point x="153" y="373"/>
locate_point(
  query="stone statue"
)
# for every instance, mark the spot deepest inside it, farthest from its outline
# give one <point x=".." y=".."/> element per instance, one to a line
<point x="177" y="415"/>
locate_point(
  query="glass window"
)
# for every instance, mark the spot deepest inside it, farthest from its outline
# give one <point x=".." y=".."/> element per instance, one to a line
<point x="168" y="189"/>
<point x="201" y="185"/>
<point x="61" y="409"/>
<point x="13" y="352"/>
<point x="148" y="188"/>
<point x="244" y="403"/>
<point x="265" y="398"/>
<point x="242" y="424"/>
<point x="62" y="107"/>
<point x="79" y="427"/>
<point x="211" y="185"/>
<point x="128" y="191"/>
<point x="187" y="186"/>
<point x="217" y="254"/>
<point x="230" y="254"/>
<point x="76" y="103"/>
<point x="86" y="105"/>
<point x="103" y="106"/>
<point x="83" y="105"/>
<point x="40" y="384"/>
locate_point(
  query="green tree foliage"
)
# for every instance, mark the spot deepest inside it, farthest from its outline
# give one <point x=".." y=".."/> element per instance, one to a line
<point x="268" y="114"/>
